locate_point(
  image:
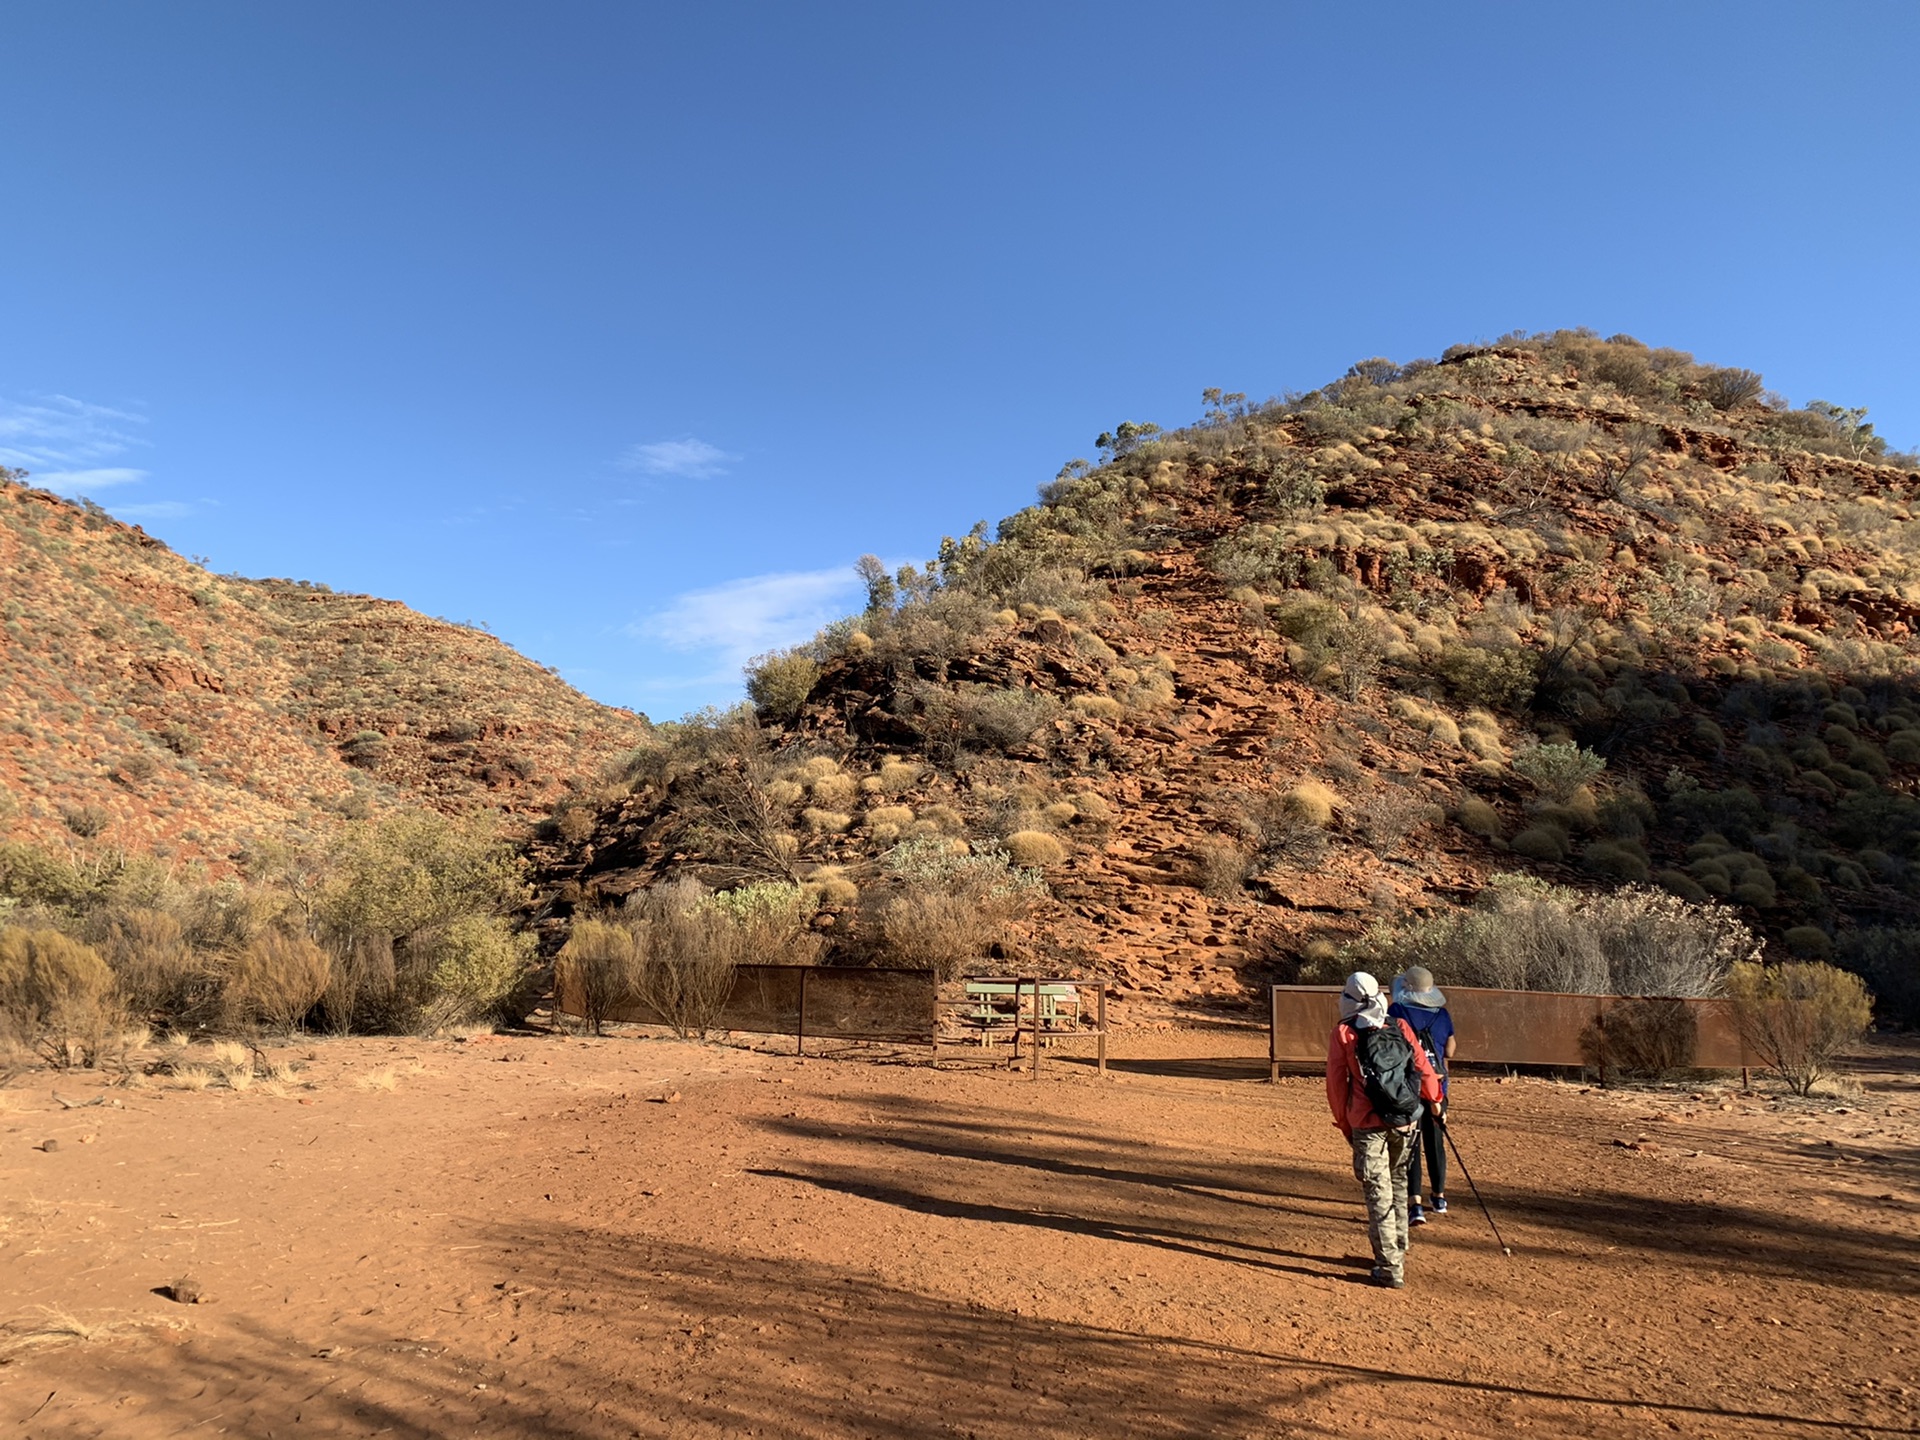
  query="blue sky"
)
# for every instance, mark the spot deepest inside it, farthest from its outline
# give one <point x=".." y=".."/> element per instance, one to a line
<point x="625" y="328"/>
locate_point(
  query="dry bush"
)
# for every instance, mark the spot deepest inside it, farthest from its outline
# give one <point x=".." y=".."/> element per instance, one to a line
<point x="950" y="909"/>
<point x="826" y="822"/>
<point x="1220" y="869"/>
<point x="598" y="969"/>
<point x="1035" y="849"/>
<point x="1388" y="817"/>
<point x="1097" y="707"/>
<point x="1649" y="1037"/>
<point x="1522" y="934"/>
<point x="1004" y="719"/>
<point x="1311" y="802"/>
<point x="897" y="776"/>
<point x="57" y="996"/>
<point x="1091" y="807"/>
<point x="162" y="977"/>
<point x="689" y="951"/>
<point x="277" y="980"/>
<point x="834" y="791"/>
<point x="1799" y="1017"/>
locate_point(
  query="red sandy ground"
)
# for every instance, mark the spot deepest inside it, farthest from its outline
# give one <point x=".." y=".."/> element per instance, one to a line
<point x="518" y="1239"/>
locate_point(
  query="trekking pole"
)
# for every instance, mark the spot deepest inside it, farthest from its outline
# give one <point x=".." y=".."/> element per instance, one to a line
<point x="1505" y="1249"/>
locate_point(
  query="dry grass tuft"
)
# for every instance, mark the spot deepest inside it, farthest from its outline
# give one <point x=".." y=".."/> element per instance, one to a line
<point x="384" y="1078"/>
<point x="190" y="1077"/>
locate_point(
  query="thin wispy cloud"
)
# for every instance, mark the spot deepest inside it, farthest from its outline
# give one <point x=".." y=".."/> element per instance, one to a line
<point x="157" y="510"/>
<point x="729" y="624"/>
<point x="688" y="459"/>
<point x="65" y="436"/>
<point x="86" y="482"/>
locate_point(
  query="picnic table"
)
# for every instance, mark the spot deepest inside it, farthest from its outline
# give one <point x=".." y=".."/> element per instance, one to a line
<point x="997" y="1005"/>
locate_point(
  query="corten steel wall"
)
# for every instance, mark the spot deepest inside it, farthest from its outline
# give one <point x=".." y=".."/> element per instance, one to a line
<point x="1506" y="1027"/>
<point x="840" y="1003"/>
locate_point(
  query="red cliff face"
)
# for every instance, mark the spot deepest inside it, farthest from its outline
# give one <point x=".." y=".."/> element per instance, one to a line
<point x="186" y="711"/>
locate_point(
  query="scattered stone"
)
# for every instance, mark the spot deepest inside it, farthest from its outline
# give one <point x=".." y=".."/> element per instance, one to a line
<point x="49" y="1146"/>
<point x="185" y="1291"/>
<point x="672" y="1097"/>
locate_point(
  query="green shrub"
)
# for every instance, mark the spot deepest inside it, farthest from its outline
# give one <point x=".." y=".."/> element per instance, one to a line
<point x="1477" y="817"/>
<point x="1799" y="1017"/>
<point x="950" y="908"/>
<point x="86" y="821"/>
<point x="1540" y="842"/>
<point x="1904" y="748"/>
<point x="1617" y="860"/>
<point x="478" y="962"/>
<point x="779" y="683"/>
<point x="1682" y="884"/>
<point x="1808" y="942"/>
<point x="1498" y="677"/>
<point x="1558" y="770"/>
<point x="1888" y="960"/>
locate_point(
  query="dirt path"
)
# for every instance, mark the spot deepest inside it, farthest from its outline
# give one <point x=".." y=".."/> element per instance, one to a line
<point x="518" y="1239"/>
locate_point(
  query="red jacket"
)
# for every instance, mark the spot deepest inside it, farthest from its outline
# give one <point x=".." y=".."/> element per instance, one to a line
<point x="1347" y="1091"/>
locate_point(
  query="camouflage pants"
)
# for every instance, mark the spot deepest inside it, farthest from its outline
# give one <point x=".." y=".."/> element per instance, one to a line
<point x="1380" y="1159"/>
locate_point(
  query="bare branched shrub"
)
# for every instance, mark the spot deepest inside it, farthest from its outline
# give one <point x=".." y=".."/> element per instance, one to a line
<point x="1799" y="1017"/>
<point x="689" y="950"/>
<point x="1387" y="818"/>
<point x="732" y="810"/>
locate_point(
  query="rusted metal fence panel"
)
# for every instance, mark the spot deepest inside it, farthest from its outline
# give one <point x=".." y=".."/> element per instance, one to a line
<point x="849" y="1003"/>
<point x="1527" y="1027"/>
<point x="806" y="1001"/>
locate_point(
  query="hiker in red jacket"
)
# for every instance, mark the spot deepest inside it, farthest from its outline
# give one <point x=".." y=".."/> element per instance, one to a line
<point x="1378" y="1087"/>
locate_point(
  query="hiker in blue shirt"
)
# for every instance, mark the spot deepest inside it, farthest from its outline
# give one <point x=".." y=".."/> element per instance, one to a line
<point x="1416" y="1001"/>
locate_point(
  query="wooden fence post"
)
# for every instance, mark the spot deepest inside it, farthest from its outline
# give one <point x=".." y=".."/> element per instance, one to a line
<point x="800" y="1030"/>
<point x="1101" y="1017"/>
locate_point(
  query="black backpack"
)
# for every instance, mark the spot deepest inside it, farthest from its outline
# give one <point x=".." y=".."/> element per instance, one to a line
<point x="1390" y="1074"/>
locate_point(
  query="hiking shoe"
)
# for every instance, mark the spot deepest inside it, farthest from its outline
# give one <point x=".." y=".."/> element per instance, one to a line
<point x="1439" y="1206"/>
<point x="1415" y="1215"/>
<point x="1387" y="1280"/>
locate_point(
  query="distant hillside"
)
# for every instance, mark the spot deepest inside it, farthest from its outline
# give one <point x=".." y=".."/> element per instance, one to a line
<point x="147" y="703"/>
<point x="1246" y="689"/>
